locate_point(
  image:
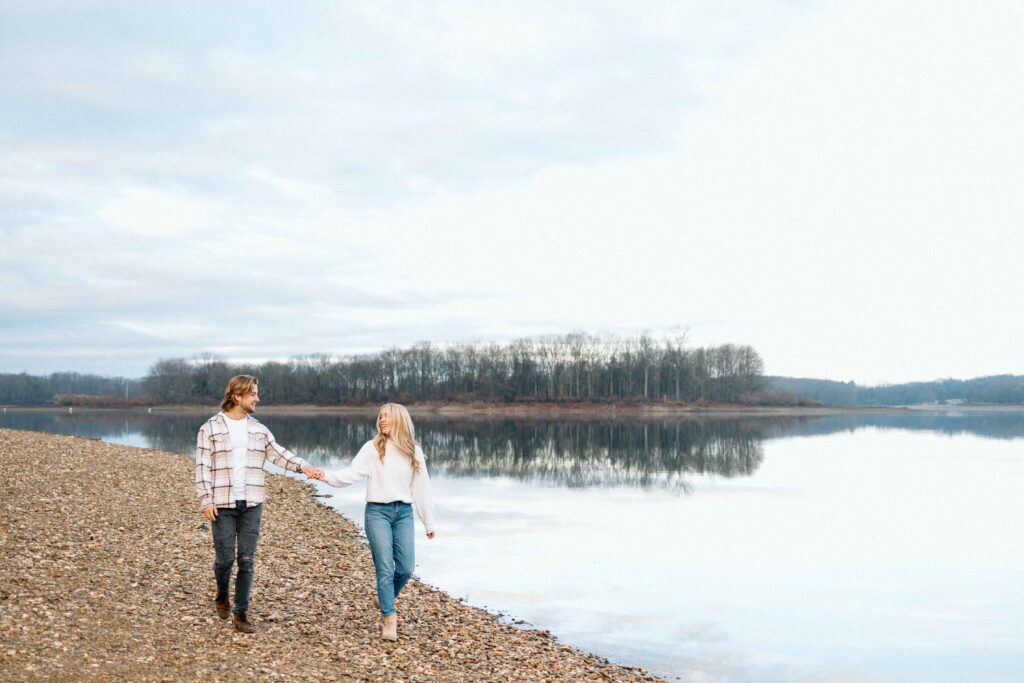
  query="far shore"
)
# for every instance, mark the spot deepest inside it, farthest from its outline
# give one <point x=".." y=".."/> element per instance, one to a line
<point x="542" y="410"/>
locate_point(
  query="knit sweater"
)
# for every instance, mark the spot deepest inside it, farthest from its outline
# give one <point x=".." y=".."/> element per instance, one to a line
<point x="390" y="481"/>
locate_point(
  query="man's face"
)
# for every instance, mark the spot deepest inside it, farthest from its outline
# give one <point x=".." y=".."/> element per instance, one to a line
<point x="247" y="402"/>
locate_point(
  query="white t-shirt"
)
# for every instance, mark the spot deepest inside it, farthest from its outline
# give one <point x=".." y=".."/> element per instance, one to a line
<point x="239" y="431"/>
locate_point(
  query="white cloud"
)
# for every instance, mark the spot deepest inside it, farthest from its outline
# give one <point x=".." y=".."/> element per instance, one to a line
<point x="838" y="188"/>
<point x="155" y="213"/>
<point x="848" y="202"/>
<point x="176" y="331"/>
<point x="292" y="189"/>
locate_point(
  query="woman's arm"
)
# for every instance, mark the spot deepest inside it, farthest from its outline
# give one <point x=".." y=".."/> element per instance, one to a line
<point x="357" y="471"/>
<point x="422" y="498"/>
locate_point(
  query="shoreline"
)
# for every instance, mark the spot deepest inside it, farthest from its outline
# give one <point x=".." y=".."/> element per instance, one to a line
<point x="106" y="575"/>
<point x="544" y="411"/>
<point x="538" y="411"/>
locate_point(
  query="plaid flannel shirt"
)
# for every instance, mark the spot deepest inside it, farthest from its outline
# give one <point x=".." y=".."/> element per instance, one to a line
<point x="213" y="462"/>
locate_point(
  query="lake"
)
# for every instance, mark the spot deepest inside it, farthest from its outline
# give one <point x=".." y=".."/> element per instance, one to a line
<point x="847" y="548"/>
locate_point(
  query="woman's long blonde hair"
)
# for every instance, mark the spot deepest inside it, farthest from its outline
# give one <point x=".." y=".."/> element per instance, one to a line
<point x="403" y="434"/>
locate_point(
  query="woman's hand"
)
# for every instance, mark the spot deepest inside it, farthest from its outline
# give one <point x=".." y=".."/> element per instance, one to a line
<point x="430" y="534"/>
<point x="313" y="473"/>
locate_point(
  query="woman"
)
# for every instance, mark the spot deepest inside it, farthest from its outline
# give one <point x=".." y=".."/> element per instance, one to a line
<point x="397" y="471"/>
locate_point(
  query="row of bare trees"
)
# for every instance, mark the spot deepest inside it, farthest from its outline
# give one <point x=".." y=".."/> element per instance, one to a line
<point x="574" y="367"/>
<point x="25" y="389"/>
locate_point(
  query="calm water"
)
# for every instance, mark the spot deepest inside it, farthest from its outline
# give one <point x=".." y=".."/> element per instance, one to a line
<point x="848" y="548"/>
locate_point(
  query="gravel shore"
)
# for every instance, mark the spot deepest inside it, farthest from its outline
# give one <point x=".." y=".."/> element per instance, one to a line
<point x="105" y="574"/>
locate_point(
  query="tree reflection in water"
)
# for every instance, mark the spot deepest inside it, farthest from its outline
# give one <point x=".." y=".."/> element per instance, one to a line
<point x="574" y="453"/>
<point x="599" y="453"/>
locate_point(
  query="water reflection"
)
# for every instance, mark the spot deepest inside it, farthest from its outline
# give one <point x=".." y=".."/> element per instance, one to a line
<point x="595" y="453"/>
<point x="572" y="453"/>
<point x="994" y="424"/>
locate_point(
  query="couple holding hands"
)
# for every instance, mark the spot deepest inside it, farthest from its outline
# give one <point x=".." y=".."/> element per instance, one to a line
<point x="231" y="452"/>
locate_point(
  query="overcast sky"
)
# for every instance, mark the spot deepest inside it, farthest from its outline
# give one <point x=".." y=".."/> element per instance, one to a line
<point x="837" y="183"/>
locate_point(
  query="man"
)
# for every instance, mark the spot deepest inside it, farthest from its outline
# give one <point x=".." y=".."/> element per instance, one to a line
<point x="231" y="452"/>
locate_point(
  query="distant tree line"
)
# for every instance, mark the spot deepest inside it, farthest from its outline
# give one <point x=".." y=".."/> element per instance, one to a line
<point x="995" y="389"/>
<point x="25" y="389"/>
<point x="574" y="367"/>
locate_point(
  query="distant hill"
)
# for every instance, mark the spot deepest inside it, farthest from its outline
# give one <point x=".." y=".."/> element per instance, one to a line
<point x="995" y="389"/>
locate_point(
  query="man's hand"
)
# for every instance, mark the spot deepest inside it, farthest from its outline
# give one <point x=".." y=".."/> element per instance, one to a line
<point x="210" y="512"/>
<point x="313" y="473"/>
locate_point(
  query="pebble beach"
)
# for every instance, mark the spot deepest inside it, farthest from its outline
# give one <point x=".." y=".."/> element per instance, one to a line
<point x="106" y="574"/>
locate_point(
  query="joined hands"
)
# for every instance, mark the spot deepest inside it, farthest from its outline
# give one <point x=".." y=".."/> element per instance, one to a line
<point x="313" y="473"/>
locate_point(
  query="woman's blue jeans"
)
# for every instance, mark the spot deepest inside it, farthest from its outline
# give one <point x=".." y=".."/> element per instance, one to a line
<point x="389" y="528"/>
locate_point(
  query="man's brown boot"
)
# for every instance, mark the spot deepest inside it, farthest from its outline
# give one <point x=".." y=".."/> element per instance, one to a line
<point x="223" y="605"/>
<point x="243" y="624"/>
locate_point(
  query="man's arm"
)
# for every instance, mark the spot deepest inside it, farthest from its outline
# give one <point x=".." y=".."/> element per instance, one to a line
<point x="204" y="466"/>
<point x="282" y="457"/>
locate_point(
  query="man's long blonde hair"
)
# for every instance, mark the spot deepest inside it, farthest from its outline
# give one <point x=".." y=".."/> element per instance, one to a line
<point x="239" y="384"/>
<point x="403" y="434"/>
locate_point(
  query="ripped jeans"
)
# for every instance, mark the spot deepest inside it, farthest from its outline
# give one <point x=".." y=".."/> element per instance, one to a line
<point x="242" y="523"/>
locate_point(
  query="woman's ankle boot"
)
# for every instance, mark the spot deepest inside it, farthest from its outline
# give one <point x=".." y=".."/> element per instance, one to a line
<point x="390" y="630"/>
